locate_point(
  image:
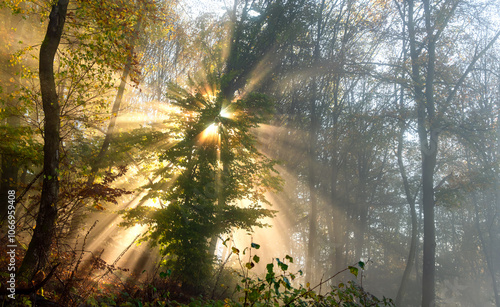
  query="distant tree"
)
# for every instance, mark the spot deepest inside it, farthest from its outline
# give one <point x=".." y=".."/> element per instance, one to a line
<point x="125" y="26"/>
<point x="426" y="30"/>
<point x="20" y="148"/>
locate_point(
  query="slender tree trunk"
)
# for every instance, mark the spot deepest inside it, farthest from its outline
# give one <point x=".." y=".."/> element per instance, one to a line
<point x="339" y="213"/>
<point x="39" y="247"/>
<point x="360" y="208"/>
<point x="313" y="134"/>
<point x="313" y="213"/>
<point x="428" y="139"/>
<point x="335" y="227"/>
<point x="97" y="164"/>
<point x="429" y="256"/>
<point x="487" y="254"/>
<point x="360" y="232"/>
<point x="414" y="224"/>
<point x="412" y="254"/>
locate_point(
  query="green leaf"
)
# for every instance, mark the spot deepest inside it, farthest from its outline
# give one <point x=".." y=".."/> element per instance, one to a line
<point x="282" y="266"/>
<point x="287" y="282"/>
<point x="249" y="265"/>
<point x="235" y="250"/>
<point x="289" y="258"/>
<point x="255" y="245"/>
<point x="353" y="270"/>
<point x="361" y="265"/>
<point x="166" y="273"/>
<point x="270" y="267"/>
<point x="256" y="259"/>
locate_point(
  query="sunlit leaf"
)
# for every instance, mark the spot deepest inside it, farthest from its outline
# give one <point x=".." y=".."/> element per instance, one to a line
<point x="353" y="270"/>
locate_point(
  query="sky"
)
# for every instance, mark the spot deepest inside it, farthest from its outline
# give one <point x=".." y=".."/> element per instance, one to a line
<point x="194" y="8"/>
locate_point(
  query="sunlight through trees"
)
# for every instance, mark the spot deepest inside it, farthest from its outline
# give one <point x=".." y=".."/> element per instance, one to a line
<point x="239" y="153"/>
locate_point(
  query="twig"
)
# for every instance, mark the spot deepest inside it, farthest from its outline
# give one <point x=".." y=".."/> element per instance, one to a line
<point x="219" y="273"/>
<point x="75" y="270"/>
<point x="28" y="187"/>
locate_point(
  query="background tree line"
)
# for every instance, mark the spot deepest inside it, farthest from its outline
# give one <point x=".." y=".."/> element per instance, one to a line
<point x="385" y="116"/>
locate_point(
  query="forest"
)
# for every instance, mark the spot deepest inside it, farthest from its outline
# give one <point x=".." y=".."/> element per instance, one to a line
<point x="250" y="153"/>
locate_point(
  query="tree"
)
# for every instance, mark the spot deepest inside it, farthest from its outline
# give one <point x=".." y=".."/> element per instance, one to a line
<point x="213" y="166"/>
<point x="127" y="27"/>
<point x="260" y="31"/>
<point x="20" y="149"/>
<point x="73" y="99"/>
<point x="39" y="247"/>
<point x="431" y="110"/>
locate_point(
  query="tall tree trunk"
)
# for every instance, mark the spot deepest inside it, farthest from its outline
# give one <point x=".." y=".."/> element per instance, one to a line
<point x="313" y="134"/>
<point x="429" y="255"/>
<point x="338" y="209"/>
<point x="487" y="254"/>
<point x="361" y="229"/>
<point x="428" y="147"/>
<point x="412" y="254"/>
<point x="97" y="163"/>
<point x="491" y="267"/>
<point x="414" y="224"/>
<point x="428" y="139"/>
<point x="335" y="226"/>
<point x="39" y="247"/>
<point x="485" y="247"/>
<point x="313" y="212"/>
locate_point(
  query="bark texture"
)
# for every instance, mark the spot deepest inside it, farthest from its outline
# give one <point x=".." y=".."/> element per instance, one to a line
<point x="39" y="247"/>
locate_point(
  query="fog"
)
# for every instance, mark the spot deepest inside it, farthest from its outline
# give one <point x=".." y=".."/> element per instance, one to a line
<point x="321" y="134"/>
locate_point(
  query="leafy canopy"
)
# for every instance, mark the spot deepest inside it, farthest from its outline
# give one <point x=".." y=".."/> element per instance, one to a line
<point x="213" y="165"/>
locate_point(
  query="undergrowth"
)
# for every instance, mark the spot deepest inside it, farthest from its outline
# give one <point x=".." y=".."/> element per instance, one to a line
<point x="277" y="287"/>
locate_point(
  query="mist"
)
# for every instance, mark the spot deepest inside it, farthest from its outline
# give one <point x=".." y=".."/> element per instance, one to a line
<point x="251" y="153"/>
